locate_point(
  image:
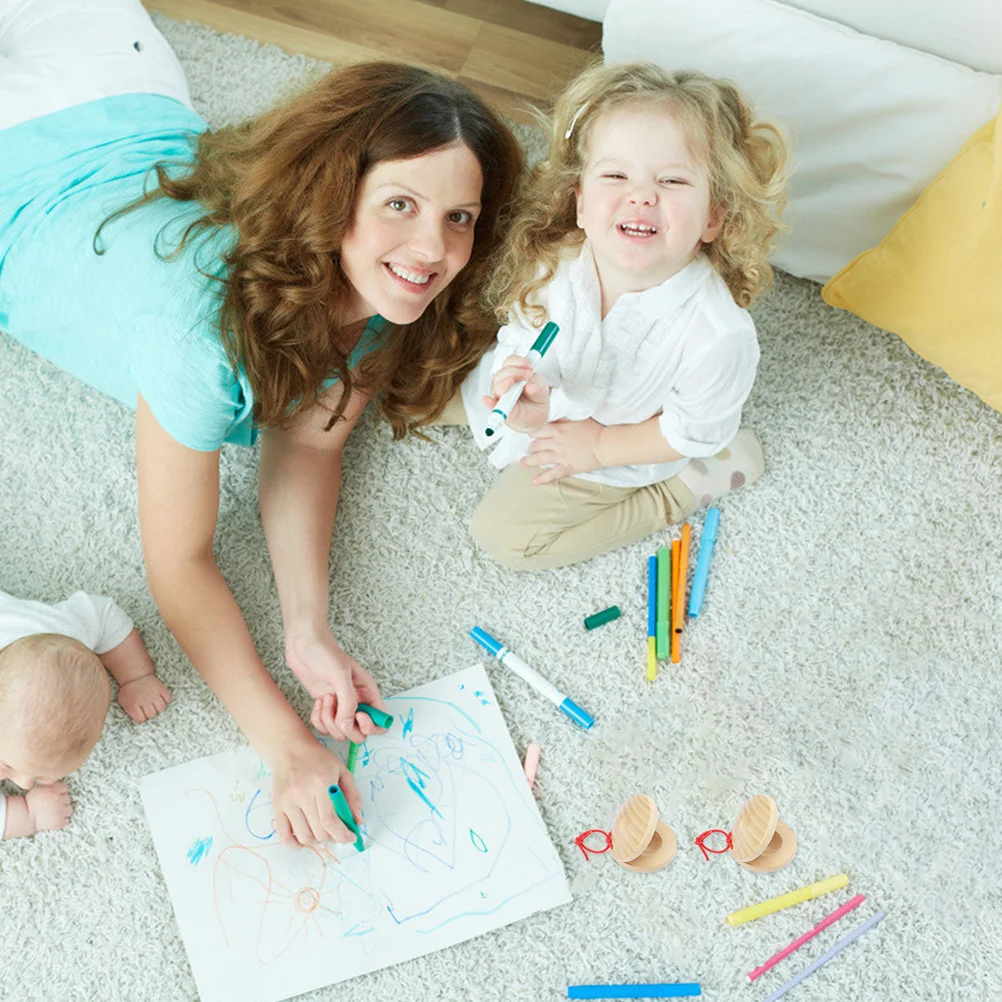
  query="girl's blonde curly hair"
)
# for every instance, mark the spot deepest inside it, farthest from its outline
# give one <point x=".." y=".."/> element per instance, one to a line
<point x="745" y="162"/>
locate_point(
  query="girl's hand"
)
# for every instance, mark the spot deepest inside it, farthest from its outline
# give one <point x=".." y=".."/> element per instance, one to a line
<point x="337" y="683"/>
<point x="533" y="408"/>
<point x="566" y="447"/>
<point x="304" y="814"/>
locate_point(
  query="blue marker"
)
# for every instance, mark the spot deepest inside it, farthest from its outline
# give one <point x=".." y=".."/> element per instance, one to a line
<point x="652" y="618"/>
<point x="706" y="541"/>
<point x="673" y="990"/>
<point x="510" y="397"/>
<point x="511" y="660"/>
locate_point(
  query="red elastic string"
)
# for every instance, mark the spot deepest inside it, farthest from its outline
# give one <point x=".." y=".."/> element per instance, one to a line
<point x="705" y="850"/>
<point x="585" y="849"/>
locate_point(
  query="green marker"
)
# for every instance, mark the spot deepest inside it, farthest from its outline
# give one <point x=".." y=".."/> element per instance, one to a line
<point x="664" y="590"/>
<point x="352" y="755"/>
<point x="344" y="813"/>
<point x="379" y="717"/>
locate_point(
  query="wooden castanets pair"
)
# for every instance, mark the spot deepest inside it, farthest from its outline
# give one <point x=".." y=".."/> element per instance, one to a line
<point x="758" y="840"/>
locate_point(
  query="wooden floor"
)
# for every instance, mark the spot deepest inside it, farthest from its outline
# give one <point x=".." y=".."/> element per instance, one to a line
<point x="511" y="52"/>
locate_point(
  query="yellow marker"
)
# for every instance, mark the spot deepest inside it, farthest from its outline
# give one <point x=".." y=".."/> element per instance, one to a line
<point x="652" y="659"/>
<point x="785" y="900"/>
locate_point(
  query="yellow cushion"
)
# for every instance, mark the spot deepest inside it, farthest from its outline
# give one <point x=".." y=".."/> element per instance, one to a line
<point x="936" y="279"/>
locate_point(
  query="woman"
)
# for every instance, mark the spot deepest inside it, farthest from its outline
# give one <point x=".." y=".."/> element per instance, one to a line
<point x="270" y="278"/>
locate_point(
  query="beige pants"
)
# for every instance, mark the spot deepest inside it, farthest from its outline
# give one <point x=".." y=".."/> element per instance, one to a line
<point x="530" y="527"/>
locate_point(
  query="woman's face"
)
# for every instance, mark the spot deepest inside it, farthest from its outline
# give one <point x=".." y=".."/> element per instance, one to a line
<point x="412" y="232"/>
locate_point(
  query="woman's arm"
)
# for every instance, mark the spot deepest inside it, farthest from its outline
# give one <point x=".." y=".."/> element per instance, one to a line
<point x="570" y="447"/>
<point x="178" y="506"/>
<point x="300" y="479"/>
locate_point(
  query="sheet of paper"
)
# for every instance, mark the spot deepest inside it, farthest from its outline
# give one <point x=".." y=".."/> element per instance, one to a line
<point x="455" y="847"/>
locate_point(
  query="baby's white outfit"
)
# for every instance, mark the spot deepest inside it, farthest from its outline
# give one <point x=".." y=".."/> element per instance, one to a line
<point x="95" y="620"/>
<point x="683" y="350"/>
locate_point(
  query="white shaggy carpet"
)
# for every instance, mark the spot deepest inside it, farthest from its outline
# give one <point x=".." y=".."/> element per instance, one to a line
<point x="847" y="663"/>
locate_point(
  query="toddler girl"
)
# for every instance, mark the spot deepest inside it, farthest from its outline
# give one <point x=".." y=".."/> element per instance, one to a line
<point x="644" y="236"/>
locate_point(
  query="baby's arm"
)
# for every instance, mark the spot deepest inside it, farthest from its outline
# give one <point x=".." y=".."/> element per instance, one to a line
<point x="42" y="808"/>
<point x="140" y="693"/>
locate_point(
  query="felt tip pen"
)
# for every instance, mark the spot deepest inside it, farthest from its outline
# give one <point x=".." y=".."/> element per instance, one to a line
<point x="706" y="541"/>
<point x="674" y="990"/>
<point x="513" y="662"/>
<point x="652" y="617"/>
<point x="663" y="601"/>
<point x="343" y="811"/>
<point x="509" y="398"/>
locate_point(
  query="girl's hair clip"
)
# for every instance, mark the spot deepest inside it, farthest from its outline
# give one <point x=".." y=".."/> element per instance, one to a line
<point x="574" y="120"/>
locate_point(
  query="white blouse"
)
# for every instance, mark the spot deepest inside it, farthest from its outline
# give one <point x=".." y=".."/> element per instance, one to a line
<point x="683" y="350"/>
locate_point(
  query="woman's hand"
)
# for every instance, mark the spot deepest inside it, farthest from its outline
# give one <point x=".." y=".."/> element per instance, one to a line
<point x="566" y="447"/>
<point x="304" y="814"/>
<point x="337" y="683"/>
<point x="532" y="410"/>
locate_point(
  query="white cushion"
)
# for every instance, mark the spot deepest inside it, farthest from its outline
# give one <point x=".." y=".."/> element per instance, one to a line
<point x="964" y="31"/>
<point x="872" y="122"/>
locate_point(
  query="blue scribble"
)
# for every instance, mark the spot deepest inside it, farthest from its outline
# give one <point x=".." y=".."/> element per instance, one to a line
<point x="199" y="850"/>
<point x="455" y="745"/>
<point x="480" y="696"/>
<point x="247" y="821"/>
<point x="409" y="722"/>
<point x="478" y="842"/>
<point x="420" y="793"/>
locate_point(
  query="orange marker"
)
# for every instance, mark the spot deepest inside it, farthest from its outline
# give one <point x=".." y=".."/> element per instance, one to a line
<point x="676" y="566"/>
<point x="678" y="596"/>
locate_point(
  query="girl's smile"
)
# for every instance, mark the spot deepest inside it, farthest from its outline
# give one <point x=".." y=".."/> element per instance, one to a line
<point x="643" y="200"/>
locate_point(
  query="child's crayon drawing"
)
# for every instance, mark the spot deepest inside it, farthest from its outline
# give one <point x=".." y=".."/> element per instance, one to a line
<point x="454" y="847"/>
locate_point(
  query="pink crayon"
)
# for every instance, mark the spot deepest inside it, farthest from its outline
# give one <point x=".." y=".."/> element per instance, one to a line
<point x="810" y="934"/>
<point x="531" y="762"/>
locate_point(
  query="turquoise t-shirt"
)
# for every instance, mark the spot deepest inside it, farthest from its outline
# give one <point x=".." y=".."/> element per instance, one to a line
<point x="126" y="321"/>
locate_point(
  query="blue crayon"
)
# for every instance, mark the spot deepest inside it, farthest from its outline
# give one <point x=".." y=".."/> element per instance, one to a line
<point x="706" y="541"/>
<point x="657" y="991"/>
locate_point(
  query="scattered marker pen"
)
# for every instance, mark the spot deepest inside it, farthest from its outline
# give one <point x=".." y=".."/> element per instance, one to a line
<point x="657" y="991"/>
<point x="706" y="541"/>
<point x="509" y="398"/>
<point x="652" y="618"/>
<point x="510" y="660"/>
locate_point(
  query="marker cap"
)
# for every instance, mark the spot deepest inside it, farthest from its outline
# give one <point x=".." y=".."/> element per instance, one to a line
<point x="545" y="339"/>
<point x="486" y="641"/>
<point x="379" y="717"/>
<point x="579" y="716"/>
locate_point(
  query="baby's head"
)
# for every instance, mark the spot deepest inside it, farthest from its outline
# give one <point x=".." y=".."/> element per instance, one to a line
<point x="54" y="697"/>
<point x="654" y="167"/>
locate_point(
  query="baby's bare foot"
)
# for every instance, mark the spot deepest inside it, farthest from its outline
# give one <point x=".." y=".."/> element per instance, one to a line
<point x="49" y="806"/>
<point x="143" y="697"/>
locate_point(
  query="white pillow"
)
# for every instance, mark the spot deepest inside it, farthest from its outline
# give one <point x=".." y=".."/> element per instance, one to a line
<point x="965" y="31"/>
<point x="872" y="122"/>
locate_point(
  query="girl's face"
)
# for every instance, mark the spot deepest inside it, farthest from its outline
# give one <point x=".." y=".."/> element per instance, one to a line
<point x="643" y="199"/>
<point x="412" y="232"/>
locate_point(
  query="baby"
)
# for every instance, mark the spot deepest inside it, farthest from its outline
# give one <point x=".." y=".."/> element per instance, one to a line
<point x="54" y="697"/>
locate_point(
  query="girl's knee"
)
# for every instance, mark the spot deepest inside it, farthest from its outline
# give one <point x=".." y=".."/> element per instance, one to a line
<point x="499" y="536"/>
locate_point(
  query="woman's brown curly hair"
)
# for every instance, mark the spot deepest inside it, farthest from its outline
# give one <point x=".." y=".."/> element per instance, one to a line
<point x="745" y="162"/>
<point x="286" y="182"/>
